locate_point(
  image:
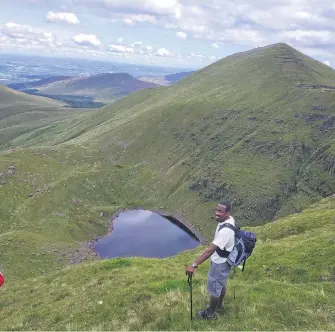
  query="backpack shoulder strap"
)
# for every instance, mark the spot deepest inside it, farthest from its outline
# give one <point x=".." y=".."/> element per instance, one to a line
<point x="230" y="226"/>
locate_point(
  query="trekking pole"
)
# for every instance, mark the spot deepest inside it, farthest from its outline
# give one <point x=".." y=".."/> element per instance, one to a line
<point x="234" y="285"/>
<point x="189" y="280"/>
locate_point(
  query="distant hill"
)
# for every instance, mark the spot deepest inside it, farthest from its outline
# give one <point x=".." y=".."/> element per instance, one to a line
<point x="38" y="83"/>
<point x="95" y="90"/>
<point x="167" y="79"/>
<point x="101" y="87"/>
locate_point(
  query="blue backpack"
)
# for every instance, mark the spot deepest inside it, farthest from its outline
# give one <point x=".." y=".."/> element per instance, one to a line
<point x="244" y="245"/>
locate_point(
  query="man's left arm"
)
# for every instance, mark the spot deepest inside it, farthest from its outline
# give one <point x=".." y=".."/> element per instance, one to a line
<point x="208" y="252"/>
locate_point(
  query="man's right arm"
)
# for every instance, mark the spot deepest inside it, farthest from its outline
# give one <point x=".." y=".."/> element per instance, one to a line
<point x="204" y="256"/>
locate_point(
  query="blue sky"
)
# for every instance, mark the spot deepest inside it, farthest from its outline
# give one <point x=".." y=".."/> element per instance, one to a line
<point x="178" y="33"/>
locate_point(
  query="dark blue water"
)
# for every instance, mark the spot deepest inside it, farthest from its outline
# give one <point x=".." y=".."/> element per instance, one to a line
<point x="143" y="233"/>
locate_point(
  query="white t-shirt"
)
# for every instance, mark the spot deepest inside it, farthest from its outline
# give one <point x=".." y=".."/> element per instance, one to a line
<point x="225" y="239"/>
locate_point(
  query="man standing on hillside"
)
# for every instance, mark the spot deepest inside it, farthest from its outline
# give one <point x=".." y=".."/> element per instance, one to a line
<point x="223" y="243"/>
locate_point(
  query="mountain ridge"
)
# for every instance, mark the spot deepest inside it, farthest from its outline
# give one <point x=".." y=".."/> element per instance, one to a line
<point x="236" y="109"/>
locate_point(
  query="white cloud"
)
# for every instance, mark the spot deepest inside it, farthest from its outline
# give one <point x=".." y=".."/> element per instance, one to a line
<point x="215" y="45"/>
<point x="326" y="63"/>
<point x="181" y="35"/>
<point x="128" y="21"/>
<point x="133" y="19"/>
<point x="27" y="38"/>
<point x="241" y="22"/>
<point x="25" y="33"/>
<point x="309" y="37"/>
<point x="138" y="49"/>
<point x="151" y="7"/>
<point x="62" y="17"/>
<point x="86" y="40"/>
<point x="120" y="40"/>
<point x="205" y="59"/>
<point x="212" y="58"/>
<point x="121" y="48"/>
<point x="163" y="52"/>
<point x="307" y="25"/>
<point x="255" y="23"/>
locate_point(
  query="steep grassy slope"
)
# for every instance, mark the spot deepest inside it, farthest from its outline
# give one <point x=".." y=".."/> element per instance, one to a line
<point x="102" y="87"/>
<point x="21" y="114"/>
<point x="10" y="97"/>
<point x="51" y="200"/>
<point x="241" y="129"/>
<point x="288" y="284"/>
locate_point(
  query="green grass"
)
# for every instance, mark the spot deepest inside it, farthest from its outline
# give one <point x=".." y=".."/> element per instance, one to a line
<point x="287" y="285"/>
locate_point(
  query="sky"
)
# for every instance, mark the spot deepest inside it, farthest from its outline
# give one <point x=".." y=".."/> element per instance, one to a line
<point x="177" y="33"/>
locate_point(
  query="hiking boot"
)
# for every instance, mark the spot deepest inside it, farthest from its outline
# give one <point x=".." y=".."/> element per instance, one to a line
<point x="219" y="309"/>
<point x="204" y="314"/>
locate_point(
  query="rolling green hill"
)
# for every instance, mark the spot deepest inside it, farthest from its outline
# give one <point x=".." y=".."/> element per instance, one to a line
<point x="245" y="129"/>
<point x="22" y="114"/>
<point x="38" y="83"/>
<point x="288" y="284"/>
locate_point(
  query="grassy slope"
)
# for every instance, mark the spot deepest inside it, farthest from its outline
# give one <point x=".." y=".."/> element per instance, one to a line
<point x="214" y="131"/>
<point x="23" y="116"/>
<point x="49" y="224"/>
<point x="286" y="286"/>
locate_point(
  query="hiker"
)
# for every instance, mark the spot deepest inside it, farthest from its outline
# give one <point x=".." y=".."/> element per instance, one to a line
<point x="219" y="271"/>
<point x="2" y="279"/>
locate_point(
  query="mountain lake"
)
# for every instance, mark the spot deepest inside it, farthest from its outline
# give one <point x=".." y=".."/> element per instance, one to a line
<point x="142" y="233"/>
